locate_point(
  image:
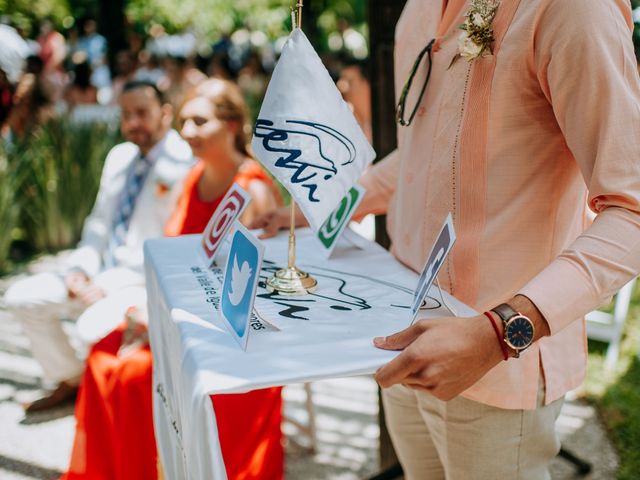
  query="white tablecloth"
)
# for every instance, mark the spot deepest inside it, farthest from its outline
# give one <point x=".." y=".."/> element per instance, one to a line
<point x="363" y="292"/>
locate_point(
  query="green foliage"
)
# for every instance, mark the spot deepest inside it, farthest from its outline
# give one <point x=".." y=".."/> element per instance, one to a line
<point x="636" y="30"/>
<point x="211" y="18"/>
<point x="58" y="168"/>
<point x="8" y="207"/>
<point x="617" y="393"/>
<point x="208" y="19"/>
<point x="27" y="13"/>
<point x="620" y="408"/>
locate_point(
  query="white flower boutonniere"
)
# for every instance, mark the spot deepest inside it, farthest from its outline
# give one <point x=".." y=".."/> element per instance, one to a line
<point x="477" y="38"/>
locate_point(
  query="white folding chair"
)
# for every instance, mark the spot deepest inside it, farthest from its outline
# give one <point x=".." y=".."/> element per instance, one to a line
<point x="608" y="327"/>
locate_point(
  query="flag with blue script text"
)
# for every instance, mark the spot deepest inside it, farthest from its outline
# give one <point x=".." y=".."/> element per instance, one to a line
<point x="306" y="135"/>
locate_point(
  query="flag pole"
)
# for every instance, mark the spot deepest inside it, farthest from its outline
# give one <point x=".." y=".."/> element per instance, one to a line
<point x="291" y="280"/>
<point x="292" y="225"/>
<point x="292" y="236"/>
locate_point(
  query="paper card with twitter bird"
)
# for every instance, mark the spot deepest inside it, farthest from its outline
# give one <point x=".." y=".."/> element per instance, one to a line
<point x="240" y="283"/>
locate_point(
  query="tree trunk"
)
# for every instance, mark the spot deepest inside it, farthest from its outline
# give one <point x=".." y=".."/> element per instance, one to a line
<point x="311" y="11"/>
<point x="383" y="15"/>
<point x="111" y="24"/>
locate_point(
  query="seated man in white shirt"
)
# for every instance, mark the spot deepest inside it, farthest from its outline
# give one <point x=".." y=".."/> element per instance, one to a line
<point x="140" y="184"/>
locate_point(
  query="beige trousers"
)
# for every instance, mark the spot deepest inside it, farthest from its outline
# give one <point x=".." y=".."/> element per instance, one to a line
<point x="39" y="302"/>
<point x="466" y="440"/>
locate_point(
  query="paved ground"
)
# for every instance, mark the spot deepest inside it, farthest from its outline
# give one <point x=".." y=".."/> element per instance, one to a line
<point x="38" y="446"/>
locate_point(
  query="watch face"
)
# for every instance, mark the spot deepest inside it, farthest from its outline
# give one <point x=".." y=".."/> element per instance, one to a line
<point x="519" y="332"/>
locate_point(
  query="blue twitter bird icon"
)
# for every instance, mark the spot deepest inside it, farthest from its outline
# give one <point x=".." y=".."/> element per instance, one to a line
<point x="240" y="281"/>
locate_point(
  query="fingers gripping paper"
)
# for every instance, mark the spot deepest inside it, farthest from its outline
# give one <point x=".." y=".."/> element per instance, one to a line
<point x="306" y="135"/>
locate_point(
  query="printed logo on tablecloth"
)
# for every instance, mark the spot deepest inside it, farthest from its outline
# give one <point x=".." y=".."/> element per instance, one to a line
<point x="240" y="282"/>
<point x="229" y="210"/>
<point x="335" y="224"/>
<point x="438" y="254"/>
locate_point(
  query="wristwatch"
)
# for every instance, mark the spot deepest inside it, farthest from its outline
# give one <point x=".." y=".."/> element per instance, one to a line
<point x="518" y="330"/>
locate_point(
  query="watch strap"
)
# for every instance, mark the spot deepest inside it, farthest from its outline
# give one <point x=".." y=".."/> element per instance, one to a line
<point x="505" y="312"/>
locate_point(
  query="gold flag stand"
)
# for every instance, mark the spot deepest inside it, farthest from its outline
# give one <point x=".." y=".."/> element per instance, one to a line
<point x="292" y="280"/>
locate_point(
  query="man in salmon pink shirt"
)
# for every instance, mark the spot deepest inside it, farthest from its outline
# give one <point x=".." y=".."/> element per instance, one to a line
<point x="517" y="124"/>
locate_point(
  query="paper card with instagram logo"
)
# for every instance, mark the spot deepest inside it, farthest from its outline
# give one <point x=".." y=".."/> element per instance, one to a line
<point x="229" y="210"/>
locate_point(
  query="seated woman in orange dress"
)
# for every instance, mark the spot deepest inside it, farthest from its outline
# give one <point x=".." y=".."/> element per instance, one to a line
<point x="114" y="433"/>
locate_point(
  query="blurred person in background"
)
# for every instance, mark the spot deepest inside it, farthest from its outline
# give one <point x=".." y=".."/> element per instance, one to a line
<point x="214" y="120"/>
<point x="6" y="97"/>
<point x="34" y="64"/>
<point x="180" y="78"/>
<point x="53" y="51"/>
<point x="141" y="181"/>
<point x="135" y="38"/>
<point x="149" y="69"/>
<point x="253" y="80"/>
<point x="125" y="71"/>
<point x="12" y="59"/>
<point x="94" y="46"/>
<point x="219" y="66"/>
<point x="80" y="91"/>
<point x="31" y="106"/>
<point x="355" y="88"/>
<point x="114" y="410"/>
<point x="73" y="34"/>
<point x="24" y="30"/>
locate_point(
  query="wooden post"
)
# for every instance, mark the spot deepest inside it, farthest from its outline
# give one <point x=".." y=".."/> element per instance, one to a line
<point x="312" y="10"/>
<point x="111" y="24"/>
<point x="383" y="15"/>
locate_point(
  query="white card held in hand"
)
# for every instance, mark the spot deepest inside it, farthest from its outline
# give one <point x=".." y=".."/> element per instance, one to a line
<point x="436" y="258"/>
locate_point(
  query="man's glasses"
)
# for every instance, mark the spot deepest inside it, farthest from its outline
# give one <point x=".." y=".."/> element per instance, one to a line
<point x="400" y="109"/>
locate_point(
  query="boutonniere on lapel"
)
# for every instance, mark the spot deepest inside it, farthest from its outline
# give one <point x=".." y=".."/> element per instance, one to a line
<point x="162" y="188"/>
<point x="477" y="38"/>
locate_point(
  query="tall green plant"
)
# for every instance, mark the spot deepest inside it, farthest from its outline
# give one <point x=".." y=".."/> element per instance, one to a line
<point x="8" y="207"/>
<point x="60" y="165"/>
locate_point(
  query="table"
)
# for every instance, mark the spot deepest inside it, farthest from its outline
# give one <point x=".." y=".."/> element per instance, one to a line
<point x="363" y="292"/>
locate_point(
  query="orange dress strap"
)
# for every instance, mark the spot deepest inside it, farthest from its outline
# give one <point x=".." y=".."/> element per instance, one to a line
<point x="175" y="224"/>
<point x="191" y="213"/>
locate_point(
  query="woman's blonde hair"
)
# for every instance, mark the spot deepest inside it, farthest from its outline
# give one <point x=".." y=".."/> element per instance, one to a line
<point x="228" y="105"/>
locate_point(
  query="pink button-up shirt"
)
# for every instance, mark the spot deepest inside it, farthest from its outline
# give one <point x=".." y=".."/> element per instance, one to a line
<point x="516" y="145"/>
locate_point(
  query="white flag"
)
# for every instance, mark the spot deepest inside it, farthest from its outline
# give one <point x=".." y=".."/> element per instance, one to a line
<point x="306" y="135"/>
